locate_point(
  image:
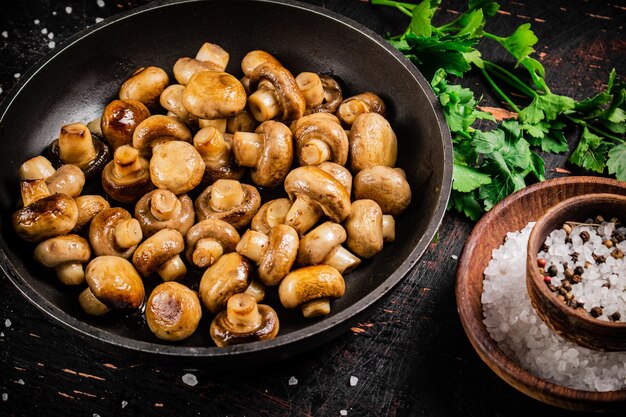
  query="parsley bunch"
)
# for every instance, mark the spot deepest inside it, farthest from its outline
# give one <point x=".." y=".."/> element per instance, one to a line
<point x="492" y="163"/>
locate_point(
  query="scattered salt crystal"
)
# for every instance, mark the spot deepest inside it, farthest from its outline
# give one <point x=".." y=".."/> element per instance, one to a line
<point x="7" y="322"/>
<point x="1" y="334"/>
<point x="100" y="3"/>
<point x="21" y="381"/>
<point x="353" y="381"/>
<point x="52" y="44"/>
<point x="124" y="404"/>
<point x="454" y="257"/>
<point x="5" y="396"/>
<point x="54" y="13"/>
<point x="96" y="415"/>
<point x="99" y="19"/>
<point x="68" y="10"/>
<point x="293" y="381"/>
<point x="50" y="35"/>
<point x="5" y="34"/>
<point x="36" y="21"/>
<point x="190" y="379"/>
<point x="44" y="31"/>
<point x="343" y="412"/>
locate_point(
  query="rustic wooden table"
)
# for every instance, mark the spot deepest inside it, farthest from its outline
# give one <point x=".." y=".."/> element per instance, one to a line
<point x="410" y="354"/>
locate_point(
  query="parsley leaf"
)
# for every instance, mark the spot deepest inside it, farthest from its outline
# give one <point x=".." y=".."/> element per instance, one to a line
<point x="591" y="152"/>
<point x="546" y="107"/>
<point x="466" y="203"/>
<point x="466" y="179"/>
<point x="617" y="161"/>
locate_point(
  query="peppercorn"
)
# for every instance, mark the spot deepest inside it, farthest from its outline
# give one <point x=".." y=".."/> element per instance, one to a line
<point x="552" y="287"/>
<point x="560" y="298"/>
<point x="619" y="235"/>
<point x="599" y="219"/>
<point x="576" y="279"/>
<point x="562" y="290"/>
<point x="552" y="270"/>
<point x="569" y="296"/>
<point x="579" y="270"/>
<point x="565" y="284"/>
<point x="541" y="262"/>
<point x="584" y="235"/>
<point x="568" y="273"/>
<point x="575" y="257"/>
<point x="608" y="243"/>
<point x="600" y="259"/>
<point x="617" y="254"/>
<point x="615" y="316"/>
<point x="579" y="309"/>
<point x="547" y="279"/>
<point x="587" y="264"/>
<point x="567" y="228"/>
<point x="596" y="312"/>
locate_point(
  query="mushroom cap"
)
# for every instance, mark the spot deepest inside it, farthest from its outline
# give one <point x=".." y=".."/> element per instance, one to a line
<point x="279" y="255"/>
<point x="102" y="233"/>
<point x="239" y="216"/>
<point x="173" y="311"/>
<point x="333" y="96"/>
<point x="339" y="172"/>
<point x="171" y="100"/>
<point x="386" y="186"/>
<point x="276" y="156"/>
<point x="229" y="275"/>
<point x="255" y="58"/>
<point x="115" y="283"/>
<point x="68" y="179"/>
<point x="176" y="166"/>
<point x="372" y="142"/>
<point x="145" y="85"/>
<point x="214" y="95"/>
<point x="50" y="216"/>
<point x="59" y="250"/>
<point x="158" y="129"/>
<point x="127" y="188"/>
<point x="185" y="68"/>
<point x="316" y="245"/>
<point x="310" y="283"/>
<point x="352" y="107"/>
<point x="156" y="250"/>
<point x="364" y="226"/>
<point x="119" y="120"/>
<point x="88" y="206"/>
<point x="150" y="224"/>
<point x="320" y="187"/>
<point x="215" y="229"/>
<point x="289" y="96"/>
<point x="218" y="155"/>
<point x="319" y="126"/>
<point x="276" y="210"/>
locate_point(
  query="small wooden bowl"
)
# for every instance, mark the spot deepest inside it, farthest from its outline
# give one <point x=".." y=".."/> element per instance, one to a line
<point x="578" y="327"/>
<point x="514" y="213"/>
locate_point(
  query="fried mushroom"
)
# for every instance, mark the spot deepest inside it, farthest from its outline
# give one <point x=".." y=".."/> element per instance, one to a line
<point x="160" y="254"/>
<point x="228" y="200"/>
<point x="173" y="311"/>
<point x="162" y="209"/>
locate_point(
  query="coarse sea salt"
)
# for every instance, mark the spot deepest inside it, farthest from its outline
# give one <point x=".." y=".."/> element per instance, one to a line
<point x="520" y="333"/>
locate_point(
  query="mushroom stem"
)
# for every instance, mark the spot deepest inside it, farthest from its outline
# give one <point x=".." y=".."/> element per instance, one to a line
<point x="256" y="290"/>
<point x="213" y="53"/>
<point x="210" y="144"/>
<point x="219" y="124"/>
<point x="277" y="212"/>
<point x="76" y="145"/>
<point x="36" y="168"/>
<point x="311" y="87"/>
<point x="91" y="304"/>
<point x="342" y="260"/>
<point x="173" y="269"/>
<point x="253" y="244"/>
<point x="126" y="161"/>
<point x="164" y="205"/>
<point x="208" y="250"/>
<point x="226" y="194"/>
<point x="71" y="273"/>
<point x="128" y="233"/>
<point x="389" y="228"/>
<point x="33" y="190"/>
<point x="247" y="148"/>
<point x="263" y="104"/>
<point x="315" y="152"/>
<point x="243" y="313"/>
<point x="315" y="308"/>
<point x="303" y="214"/>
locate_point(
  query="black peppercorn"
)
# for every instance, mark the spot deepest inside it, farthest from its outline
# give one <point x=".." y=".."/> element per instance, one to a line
<point x="552" y="270"/>
<point x="599" y="219"/>
<point x="584" y="235"/>
<point x="617" y="254"/>
<point x="579" y="270"/>
<point x="615" y="316"/>
<point x="596" y="312"/>
<point x="576" y="279"/>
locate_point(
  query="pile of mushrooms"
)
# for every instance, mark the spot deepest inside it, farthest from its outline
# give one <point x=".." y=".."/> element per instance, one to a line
<point x="184" y="162"/>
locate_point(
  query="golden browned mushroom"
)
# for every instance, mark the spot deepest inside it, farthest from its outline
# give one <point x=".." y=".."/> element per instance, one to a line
<point x="159" y="129"/>
<point x="314" y="192"/>
<point x="77" y="146"/>
<point x="114" y="232"/>
<point x="66" y="254"/>
<point x="217" y="154"/>
<point x="162" y="209"/>
<point x="114" y="284"/>
<point x="276" y="94"/>
<point x="119" y="120"/>
<point x="339" y="172"/>
<point x="372" y="142"/>
<point x="228" y="200"/>
<point x="255" y="58"/>
<point x="186" y="67"/>
<point x="214" y="54"/>
<point x="310" y="84"/>
<point x="214" y="95"/>
<point x="171" y="100"/>
<point x="145" y="85"/>
<point x="244" y="321"/>
<point x="88" y="207"/>
<point x="311" y="288"/>
<point x="127" y="177"/>
<point x="173" y="311"/>
<point x="241" y="122"/>
<point x="176" y="166"/>
<point x="68" y="179"/>
<point x="160" y="253"/>
<point x="319" y="137"/>
<point x="274" y="254"/>
<point x="332" y="96"/>
<point x="268" y="152"/>
<point x="208" y="240"/>
<point x="386" y="186"/>
<point x="230" y="275"/>
<point x="270" y="214"/>
<point x="39" y="179"/>
<point x="368" y="228"/>
<point x="354" y="106"/>
<point x="46" y="217"/>
<point x="322" y="245"/>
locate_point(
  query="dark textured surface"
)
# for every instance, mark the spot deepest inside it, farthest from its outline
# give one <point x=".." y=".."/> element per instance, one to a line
<point x="410" y="353"/>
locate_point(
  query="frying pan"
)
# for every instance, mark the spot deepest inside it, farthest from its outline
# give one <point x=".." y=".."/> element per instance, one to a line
<point x="76" y="81"/>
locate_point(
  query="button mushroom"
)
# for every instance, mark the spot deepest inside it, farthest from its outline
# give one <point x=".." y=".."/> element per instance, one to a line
<point x="114" y="284"/>
<point x="171" y="100"/>
<point x="311" y="288"/>
<point x="214" y="54"/>
<point x="354" y="106"/>
<point x="46" y="217"/>
<point x="173" y="311"/>
<point x="228" y="276"/>
<point x="386" y="186"/>
<point x="319" y="137"/>
<point x="68" y="179"/>
<point x="145" y="85"/>
<point x="162" y="209"/>
<point x="311" y="87"/>
<point x="255" y="58"/>
<point x="332" y="96"/>
<point x="274" y="254"/>
<point x="322" y="245"/>
<point x="216" y="152"/>
<point x="270" y="214"/>
<point x="314" y="192"/>
<point x="77" y="146"/>
<point x="244" y="321"/>
<point x="268" y="152"/>
<point x="158" y="129"/>
<point x="214" y="95"/>
<point x="119" y="120"/>
<point x="65" y="254"/>
<point x="114" y="232"/>
<point x="176" y="166"/>
<point x="339" y="172"/>
<point x="35" y="168"/>
<point x="88" y="207"/>
<point x="160" y="254"/>
<point x="276" y="93"/>
<point x="241" y="122"/>
<point x="186" y="67"/>
<point x="372" y="142"/>
<point x="228" y="200"/>
<point x="208" y="240"/>
<point x="127" y="177"/>
<point x="367" y="228"/>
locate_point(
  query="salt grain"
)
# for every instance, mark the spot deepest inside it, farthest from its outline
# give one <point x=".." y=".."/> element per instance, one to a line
<point x="5" y="396"/>
<point x="353" y="381"/>
<point x="36" y="21"/>
<point x="5" y="34"/>
<point x="454" y="257"/>
<point x="7" y="322"/>
<point x="527" y="340"/>
<point x="293" y="381"/>
<point x="52" y="44"/>
<point x="68" y="10"/>
<point x="44" y="31"/>
<point x="21" y="382"/>
<point x="190" y="379"/>
<point x="100" y="3"/>
<point x="343" y="412"/>
<point x="124" y="404"/>
<point x="50" y="35"/>
<point x="99" y="19"/>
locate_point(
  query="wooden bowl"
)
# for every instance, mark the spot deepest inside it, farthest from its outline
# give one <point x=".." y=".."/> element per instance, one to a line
<point x="513" y="213"/>
<point x="574" y="325"/>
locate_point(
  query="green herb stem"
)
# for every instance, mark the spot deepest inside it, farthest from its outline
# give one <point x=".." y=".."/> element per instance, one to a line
<point x="405" y="8"/>
<point x="510" y="79"/>
<point x="499" y="91"/>
<point x="604" y="133"/>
